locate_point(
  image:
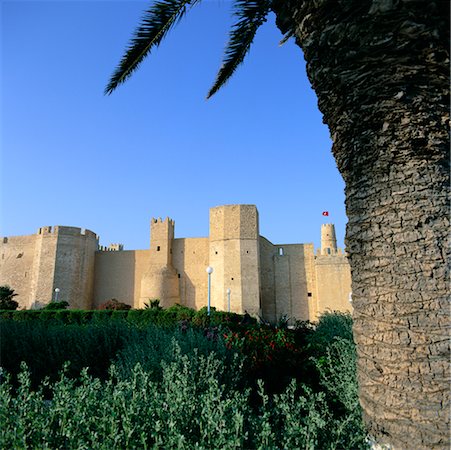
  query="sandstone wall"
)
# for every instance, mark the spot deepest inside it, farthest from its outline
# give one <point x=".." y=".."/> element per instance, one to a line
<point x="54" y="257"/>
<point x="160" y="279"/>
<point x="333" y="280"/>
<point x="234" y="256"/>
<point x="118" y="275"/>
<point x="190" y="259"/>
<point x="44" y="259"/>
<point x="288" y="280"/>
<point x="16" y="266"/>
<point x="74" y="265"/>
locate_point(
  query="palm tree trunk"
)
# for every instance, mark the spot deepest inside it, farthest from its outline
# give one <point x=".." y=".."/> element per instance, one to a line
<point x="380" y="71"/>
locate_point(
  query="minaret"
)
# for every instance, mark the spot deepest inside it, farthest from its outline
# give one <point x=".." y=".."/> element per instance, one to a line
<point x="328" y="239"/>
<point x="160" y="281"/>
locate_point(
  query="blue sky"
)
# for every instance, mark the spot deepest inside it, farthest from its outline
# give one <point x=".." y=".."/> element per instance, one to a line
<point x="156" y="147"/>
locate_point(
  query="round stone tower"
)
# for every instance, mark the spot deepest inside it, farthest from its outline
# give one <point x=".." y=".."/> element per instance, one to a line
<point x="328" y="239"/>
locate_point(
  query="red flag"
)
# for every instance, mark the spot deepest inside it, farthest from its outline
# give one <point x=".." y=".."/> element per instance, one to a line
<point x="325" y="213"/>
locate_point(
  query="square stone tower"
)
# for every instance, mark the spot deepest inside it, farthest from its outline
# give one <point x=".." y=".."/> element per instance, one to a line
<point x="234" y="256"/>
<point x="160" y="279"/>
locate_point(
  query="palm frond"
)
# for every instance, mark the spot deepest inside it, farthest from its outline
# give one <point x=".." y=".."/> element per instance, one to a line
<point x="250" y="14"/>
<point x="286" y="38"/>
<point x="155" y="24"/>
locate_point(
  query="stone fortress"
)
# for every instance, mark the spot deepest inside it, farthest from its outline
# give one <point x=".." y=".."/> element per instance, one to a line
<point x="265" y="279"/>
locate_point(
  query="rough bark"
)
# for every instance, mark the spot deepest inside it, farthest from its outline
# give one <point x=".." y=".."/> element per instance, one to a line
<point x="380" y="71"/>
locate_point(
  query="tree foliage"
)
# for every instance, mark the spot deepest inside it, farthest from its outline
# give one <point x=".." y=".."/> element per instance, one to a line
<point x="6" y="298"/>
<point x="164" y="14"/>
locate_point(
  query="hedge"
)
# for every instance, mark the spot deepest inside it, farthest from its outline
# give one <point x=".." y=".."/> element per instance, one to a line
<point x="163" y="317"/>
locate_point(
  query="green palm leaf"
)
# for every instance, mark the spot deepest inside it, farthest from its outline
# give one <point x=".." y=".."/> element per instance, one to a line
<point x="251" y="14"/>
<point x="156" y="22"/>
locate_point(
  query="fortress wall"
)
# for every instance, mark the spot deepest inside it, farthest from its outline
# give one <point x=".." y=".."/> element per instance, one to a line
<point x="282" y="285"/>
<point x="288" y="277"/>
<point x="333" y="279"/>
<point x="118" y="275"/>
<point x="300" y="272"/>
<point x="74" y="265"/>
<point x="16" y="266"/>
<point x="141" y="261"/>
<point x="190" y="259"/>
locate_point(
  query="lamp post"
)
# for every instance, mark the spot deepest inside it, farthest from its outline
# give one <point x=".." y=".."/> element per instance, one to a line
<point x="56" y="294"/>
<point x="209" y="271"/>
<point x="228" y="298"/>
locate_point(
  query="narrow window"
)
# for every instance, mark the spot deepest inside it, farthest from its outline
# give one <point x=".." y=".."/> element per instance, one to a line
<point x="158" y="248"/>
<point x="216" y="253"/>
<point x="178" y="275"/>
<point x="5" y="239"/>
<point x="231" y="279"/>
<point x="280" y="251"/>
<point x="309" y="294"/>
<point x="247" y="251"/>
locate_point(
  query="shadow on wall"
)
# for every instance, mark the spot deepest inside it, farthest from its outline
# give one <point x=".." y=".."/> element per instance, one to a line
<point x="187" y="288"/>
<point x="287" y="285"/>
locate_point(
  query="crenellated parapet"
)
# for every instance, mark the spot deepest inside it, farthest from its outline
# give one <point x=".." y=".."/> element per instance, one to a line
<point x="111" y="248"/>
<point x="66" y="231"/>
<point x="339" y="252"/>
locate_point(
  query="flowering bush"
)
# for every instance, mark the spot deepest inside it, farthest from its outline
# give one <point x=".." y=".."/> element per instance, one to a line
<point x="262" y="345"/>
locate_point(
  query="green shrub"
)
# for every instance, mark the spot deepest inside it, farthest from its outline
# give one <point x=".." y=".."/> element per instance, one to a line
<point x="338" y="378"/>
<point x="56" y="305"/>
<point x="119" y="314"/>
<point x="187" y="407"/>
<point x="46" y="315"/>
<point x="178" y="312"/>
<point x="101" y="315"/>
<point x="330" y="325"/>
<point x="114" y="305"/>
<point x="46" y="345"/>
<point x="153" y="344"/>
<point x="6" y="314"/>
<point x="177" y="386"/>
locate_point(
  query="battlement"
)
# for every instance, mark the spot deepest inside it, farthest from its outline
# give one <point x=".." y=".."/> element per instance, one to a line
<point x="338" y="252"/>
<point x="111" y="248"/>
<point x="160" y="220"/>
<point x="66" y="231"/>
